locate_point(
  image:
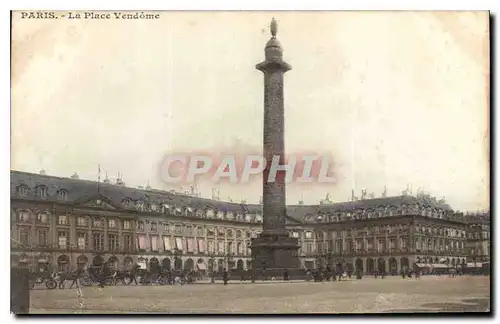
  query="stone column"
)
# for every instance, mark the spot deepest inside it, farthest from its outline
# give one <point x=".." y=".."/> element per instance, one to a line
<point x="106" y="245"/>
<point x="90" y="243"/>
<point x="121" y="242"/>
<point x="274" y="249"/>
<point x="274" y="192"/>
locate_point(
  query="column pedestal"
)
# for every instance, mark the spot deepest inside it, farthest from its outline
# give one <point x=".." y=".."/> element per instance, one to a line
<point x="273" y="254"/>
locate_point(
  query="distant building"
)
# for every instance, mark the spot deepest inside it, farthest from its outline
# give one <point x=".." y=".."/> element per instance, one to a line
<point x="70" y="223"/>
<point x="478" y="238"/>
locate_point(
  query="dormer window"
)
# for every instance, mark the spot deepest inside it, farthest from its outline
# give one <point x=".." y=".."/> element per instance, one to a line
<point x="126" y="202"/>
<point x="22" y="191"/>
<point x="23" y="216"/>
<point x="154" y="208"/>
<point x="43" y="218"/>
<point x="62" y="195"/>
<point x="165" y="208"/>
<point x="42" y="192"/>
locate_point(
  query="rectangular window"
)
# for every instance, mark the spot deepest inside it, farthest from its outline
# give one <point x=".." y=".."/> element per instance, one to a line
<point x="82" y="241"/>
<point x="127" y="243"/>
<point x="179" y="244"/>
<point x="167" y="243"/>
<point x="97" y="223"/>
<point x="112" y="242"/>
<point x="98" y="241"/>
<point x="190" y="245"/>
<point x="140" y="226"/>
<point x="359" y="245"/>
<point x="166" y="228"/>
<point x="23" y="216"/>
<point x="380" y="247"/>
<point x="392" y="244"/>
<point x="42" y="238"/>
<point x="141" y="242"/>
<point x="201" y="245"/>
<point x="62" y="220"/>
<point x="309" y="235"/>
<point x="25" y="237"/>
<point x="63" y="240"/>
<point x="111" y="223"/>
<point x="154" y="227"/>
<point x="211" y="247"/>
<point x="154" y="243"/>
<point x="81" y="221"/>
<point x="127" y="225"/>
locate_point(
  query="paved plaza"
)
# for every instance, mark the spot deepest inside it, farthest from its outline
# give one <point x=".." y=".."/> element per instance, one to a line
<point x="392" y="294"/>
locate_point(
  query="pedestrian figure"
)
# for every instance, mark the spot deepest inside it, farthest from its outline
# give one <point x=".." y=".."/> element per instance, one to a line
<point x="78" y="273"/>
<point x="285" y="275"/>
<point x="103" y="272"/>
<point x="133" y="274"/>
<point x="225" y="276"/>
<point x="60" y="278"/>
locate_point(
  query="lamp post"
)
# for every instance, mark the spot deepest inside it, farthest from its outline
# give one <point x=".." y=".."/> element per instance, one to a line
<point x="211" y="261"/>
<point x="228" y="257"/>
<point x="177" y="253"/>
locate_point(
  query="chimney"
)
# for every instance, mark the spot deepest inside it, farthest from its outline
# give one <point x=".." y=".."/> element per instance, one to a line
<point x="42" y="172"/>
<point x="75" y="176"/>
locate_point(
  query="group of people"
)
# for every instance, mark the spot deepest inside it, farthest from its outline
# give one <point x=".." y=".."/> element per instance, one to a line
<point x="106" y="272"/>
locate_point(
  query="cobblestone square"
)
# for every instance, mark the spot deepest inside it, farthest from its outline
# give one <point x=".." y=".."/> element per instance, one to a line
<point x="392" y="294"/>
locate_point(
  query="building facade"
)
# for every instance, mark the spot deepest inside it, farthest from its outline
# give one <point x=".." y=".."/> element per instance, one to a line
<point x="478" y="238"/>
<point x="69" y="223"/>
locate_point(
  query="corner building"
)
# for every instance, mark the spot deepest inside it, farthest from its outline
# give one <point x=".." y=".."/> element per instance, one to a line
<point x="67" y="223"/>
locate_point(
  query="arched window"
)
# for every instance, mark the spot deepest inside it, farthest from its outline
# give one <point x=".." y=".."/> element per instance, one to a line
<point x="22" y="190"/>
<point x="23" y="216"/>
<point x="43" y="218"/>
<point x="126" y="202"/>
<point x="41" y="191"/>
<point x="62" y="195"/>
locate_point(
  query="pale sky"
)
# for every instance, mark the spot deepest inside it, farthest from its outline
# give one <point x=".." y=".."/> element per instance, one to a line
<point x="396" y="98"/>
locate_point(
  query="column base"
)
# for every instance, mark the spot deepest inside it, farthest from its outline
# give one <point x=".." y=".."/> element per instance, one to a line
<point x="275" y="252"/>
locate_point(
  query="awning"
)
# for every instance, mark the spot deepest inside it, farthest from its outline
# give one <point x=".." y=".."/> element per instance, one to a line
<point x="42" y="261"/>
<point x="439" y="266"/>
<point x="24" y="260"/>
<point x="474" y="265"/>
<point x="423" y="265"/>
<point x="201" y="266"/>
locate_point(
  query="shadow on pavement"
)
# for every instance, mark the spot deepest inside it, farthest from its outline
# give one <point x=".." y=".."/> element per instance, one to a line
<point x="472" y="305"/>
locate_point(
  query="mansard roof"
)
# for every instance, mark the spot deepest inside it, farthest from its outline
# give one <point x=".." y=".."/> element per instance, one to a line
<point x="78" y="190"/>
